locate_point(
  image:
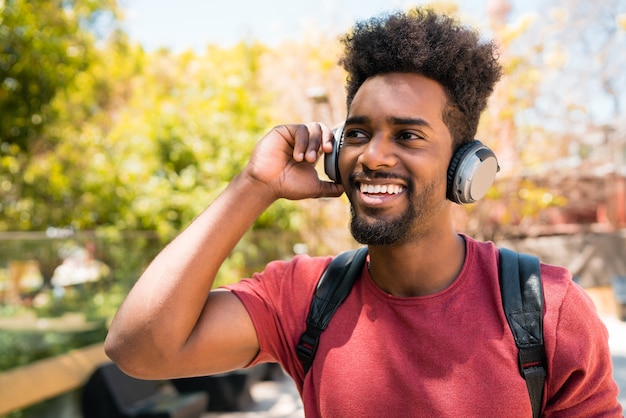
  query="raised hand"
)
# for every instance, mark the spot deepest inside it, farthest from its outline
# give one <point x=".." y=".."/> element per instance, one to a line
<point x="284" y="161"/>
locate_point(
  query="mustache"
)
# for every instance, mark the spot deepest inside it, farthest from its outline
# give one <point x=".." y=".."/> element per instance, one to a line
<point x="373" y="175"/>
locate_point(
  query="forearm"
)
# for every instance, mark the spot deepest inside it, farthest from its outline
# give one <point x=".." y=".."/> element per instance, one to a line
<point x="170" y="323"/>
<point x="160" y="313"/>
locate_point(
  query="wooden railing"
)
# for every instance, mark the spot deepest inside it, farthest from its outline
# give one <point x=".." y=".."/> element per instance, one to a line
<point x="45" y="379"/>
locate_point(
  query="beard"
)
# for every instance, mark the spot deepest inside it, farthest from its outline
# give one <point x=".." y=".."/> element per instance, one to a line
<point x="369" y="229"/>
<point x="380" y="231"/>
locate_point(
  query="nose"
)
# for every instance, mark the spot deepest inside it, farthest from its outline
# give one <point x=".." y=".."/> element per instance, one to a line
<point x="378" y="153"/>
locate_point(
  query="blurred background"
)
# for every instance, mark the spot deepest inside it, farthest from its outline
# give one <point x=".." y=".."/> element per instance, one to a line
<point x="121" y="120"/>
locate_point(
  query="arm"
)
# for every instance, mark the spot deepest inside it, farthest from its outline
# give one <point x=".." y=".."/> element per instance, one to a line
<point x="171" y="324"/>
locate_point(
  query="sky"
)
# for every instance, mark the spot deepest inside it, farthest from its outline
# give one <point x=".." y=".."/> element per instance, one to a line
<point x="184" y="24"/>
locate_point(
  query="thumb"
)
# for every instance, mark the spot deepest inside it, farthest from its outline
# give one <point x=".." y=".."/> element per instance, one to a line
<point x="330" y="189"/>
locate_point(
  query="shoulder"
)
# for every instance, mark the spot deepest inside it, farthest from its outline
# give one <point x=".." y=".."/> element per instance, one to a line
<point x="556" y="279"/>
<point x="481" y="256"/>
<point x="559" y="290"/>
<point x="284" y="278"/>
<point x="576" y="341"/>
<point x="567" y="305"/>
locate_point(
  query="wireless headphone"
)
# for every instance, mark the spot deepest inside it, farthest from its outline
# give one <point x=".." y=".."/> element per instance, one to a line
<point x="471" y="172"/>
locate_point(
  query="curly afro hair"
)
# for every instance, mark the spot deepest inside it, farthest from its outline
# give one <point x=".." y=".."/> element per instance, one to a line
<point x="433" y="45"/>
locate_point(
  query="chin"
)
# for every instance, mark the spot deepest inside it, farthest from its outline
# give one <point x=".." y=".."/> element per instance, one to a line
<point x="369" y="230"/>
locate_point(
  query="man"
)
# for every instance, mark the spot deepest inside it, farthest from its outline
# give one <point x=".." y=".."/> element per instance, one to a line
<point x="422" y="332"/>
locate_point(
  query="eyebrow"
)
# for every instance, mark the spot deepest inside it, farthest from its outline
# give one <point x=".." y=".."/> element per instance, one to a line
<point x="392" y="120"/>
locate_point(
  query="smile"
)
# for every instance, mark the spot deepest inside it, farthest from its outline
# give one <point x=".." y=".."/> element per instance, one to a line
<point x="381" y="188"/>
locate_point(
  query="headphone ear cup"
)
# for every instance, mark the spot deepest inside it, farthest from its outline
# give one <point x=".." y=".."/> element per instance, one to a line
<point x="471" y="172"/>
<point x="452" y="169"/>
<point x="331" y="160"/>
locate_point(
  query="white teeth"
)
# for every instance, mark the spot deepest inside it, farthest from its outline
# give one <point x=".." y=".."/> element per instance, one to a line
<point x="378" y="189"/>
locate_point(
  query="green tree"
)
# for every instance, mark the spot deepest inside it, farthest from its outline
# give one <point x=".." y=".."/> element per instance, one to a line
<point x="44" y="45"/>
<point x="46" y="49"/>
<point x="187" y="129"/>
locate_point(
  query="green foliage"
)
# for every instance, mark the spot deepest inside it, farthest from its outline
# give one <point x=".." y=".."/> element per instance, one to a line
<point x="186" y="132"/>
<point x="48" y="54"/>
<point x="124" y="141"/>
<point x="138" y="141"/>
<point x="44" y="46"/>
<point x="23" y="347"/>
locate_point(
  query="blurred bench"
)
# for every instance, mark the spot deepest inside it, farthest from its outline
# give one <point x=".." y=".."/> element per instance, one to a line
<point x="110" y="393"/>
<point x="229" y="391"/>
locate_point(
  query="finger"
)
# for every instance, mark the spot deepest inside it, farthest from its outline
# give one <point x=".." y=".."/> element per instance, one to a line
<point x="336" y="134"/>
<point x="313" y="148"/>
<point x="300" y="134"/>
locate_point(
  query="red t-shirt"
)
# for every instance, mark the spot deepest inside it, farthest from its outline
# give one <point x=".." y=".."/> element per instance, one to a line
<point x="446" y="354"/>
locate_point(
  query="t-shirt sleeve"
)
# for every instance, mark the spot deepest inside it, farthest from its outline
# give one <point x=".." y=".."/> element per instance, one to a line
<point x="580" y="380"/>
<point x="278" y="301"/>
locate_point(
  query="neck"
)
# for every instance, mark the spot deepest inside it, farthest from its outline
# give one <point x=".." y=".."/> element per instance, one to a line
<point x="418" y="268"/>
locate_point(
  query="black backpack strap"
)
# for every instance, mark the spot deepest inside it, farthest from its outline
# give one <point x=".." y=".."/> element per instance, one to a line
<point x="522" y="299"/>
<point x="332" y="289"/>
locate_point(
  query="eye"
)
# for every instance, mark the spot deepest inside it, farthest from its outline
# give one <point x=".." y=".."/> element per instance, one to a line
<point x="355" y="136"/>
<point x="409" y="137"/>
